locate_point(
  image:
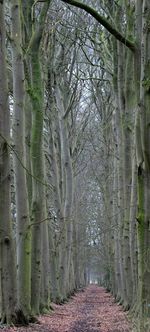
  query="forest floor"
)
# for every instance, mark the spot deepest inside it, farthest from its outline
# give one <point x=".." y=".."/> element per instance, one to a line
<point x="92" y="310"/>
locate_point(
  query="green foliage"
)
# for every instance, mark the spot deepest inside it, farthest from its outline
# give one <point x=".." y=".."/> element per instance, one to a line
<point x="146" y="84"/>
<point x="31" y="92"/>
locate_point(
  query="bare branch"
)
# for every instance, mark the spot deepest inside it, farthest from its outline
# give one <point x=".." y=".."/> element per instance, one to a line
<point x="103" y="21"/>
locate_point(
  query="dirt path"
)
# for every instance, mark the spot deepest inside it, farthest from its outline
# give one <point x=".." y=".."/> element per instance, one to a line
<point x="93" y="310"/>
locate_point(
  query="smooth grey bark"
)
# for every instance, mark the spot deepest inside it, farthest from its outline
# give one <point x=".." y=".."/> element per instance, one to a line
<point x="119" y="105"/>
<point x="38" y="213"/>
<point x="66" y="228"/>
<point x="144" y="166"/>
<point x="28" y="126"/>
<point x="128" y="135"/>
<point x="55" y="180"/>
<point x="7" y="256"/>
<point x="26" y="15"/>
<point x="22" y="205"/>
<point x="38" y="170"/>
<point x="45" y="269"/>
<point x="133" y="229"/>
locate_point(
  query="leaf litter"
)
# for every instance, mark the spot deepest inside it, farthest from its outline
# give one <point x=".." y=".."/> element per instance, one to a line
<point x="91" y="310"/>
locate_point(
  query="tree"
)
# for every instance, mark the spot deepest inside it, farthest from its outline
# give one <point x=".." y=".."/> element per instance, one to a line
<point x="7" y="257"/>
<point x="80" y="134"/>
<point x="38" y="207"/>
<point x="22" y="204"/>
<point x="140" y="53"/>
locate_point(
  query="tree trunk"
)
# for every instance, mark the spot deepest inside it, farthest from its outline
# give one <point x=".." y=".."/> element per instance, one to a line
<point x="7" y="256"/>
<point x="66" y="224"/>
<point x="22" y="206"/>
<point x="144" y="166"/>
<point x="133" y="229"/>
<point x="38" y="210"/>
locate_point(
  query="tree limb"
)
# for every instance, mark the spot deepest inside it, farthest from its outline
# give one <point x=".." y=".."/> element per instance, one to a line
<point x="103" y="21"/>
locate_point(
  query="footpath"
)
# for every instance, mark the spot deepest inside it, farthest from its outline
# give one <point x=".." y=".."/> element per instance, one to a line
<point x="93" y="310"/>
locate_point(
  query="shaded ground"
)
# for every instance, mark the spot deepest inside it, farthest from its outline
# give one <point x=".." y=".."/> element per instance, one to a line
<point x="93" y="310"/>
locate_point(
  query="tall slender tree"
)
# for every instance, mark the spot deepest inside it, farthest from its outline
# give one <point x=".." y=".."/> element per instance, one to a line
<point x="37" y="166"/>
<point x="22" y="204"/>
<point x="7" y="256"/>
